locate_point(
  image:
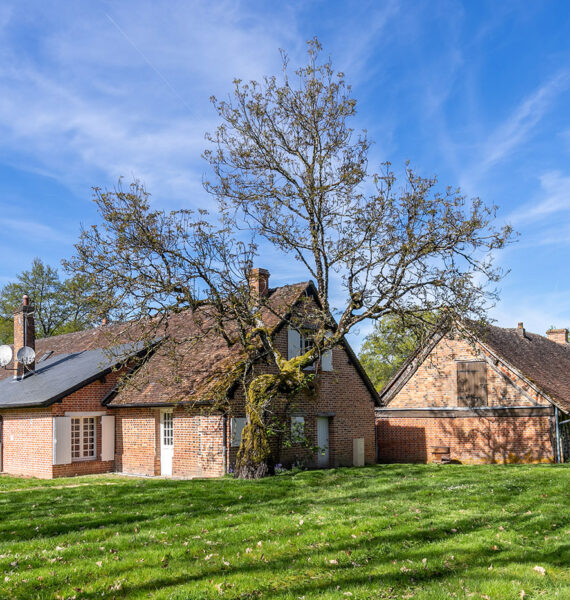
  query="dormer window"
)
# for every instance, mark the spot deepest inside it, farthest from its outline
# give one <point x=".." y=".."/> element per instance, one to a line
<point x="300" y="343"/>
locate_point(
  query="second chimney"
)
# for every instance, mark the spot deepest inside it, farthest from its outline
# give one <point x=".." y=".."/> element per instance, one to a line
<point x="560" y="336"/>
<point x="24" y="335"/>
<point x="258" y="280"/>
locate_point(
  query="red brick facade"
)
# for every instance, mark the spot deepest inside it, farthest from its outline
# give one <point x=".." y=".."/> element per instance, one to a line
<point x="470" y="440"/>
<point x="518" y="435"/>
<point x="27" y="434"/>
<point x="201" y="441"/>
<point x="341" y="396"/>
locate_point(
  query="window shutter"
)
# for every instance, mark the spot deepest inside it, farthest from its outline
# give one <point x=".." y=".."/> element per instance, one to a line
<point x="297" y="429"/>
<point x="108" y="437"/>
<point x="326" y="361"/>
<point x="472" y="383"/>
<point x="327" y="357"/>
<point x="237" y="424"/>
<point x="61" y="440"/>
<point x="294" y="343"/>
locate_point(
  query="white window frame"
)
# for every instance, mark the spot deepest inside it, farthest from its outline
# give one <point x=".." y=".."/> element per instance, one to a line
<point x="297" y="429"/>
<point x="82" y="456"/>
<point x="298" y="344"/>
<point x="167" y="429"/>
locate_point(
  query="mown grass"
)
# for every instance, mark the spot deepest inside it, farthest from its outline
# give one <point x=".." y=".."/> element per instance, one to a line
<point x="398" y="531"/>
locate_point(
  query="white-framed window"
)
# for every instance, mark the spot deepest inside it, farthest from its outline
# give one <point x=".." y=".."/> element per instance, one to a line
<point x="297" y="429"/>
<point x="83" y="438"/>
<point x="237" y="425"/>
<point x="167" y="429"/>
<point x="298" y="344"/>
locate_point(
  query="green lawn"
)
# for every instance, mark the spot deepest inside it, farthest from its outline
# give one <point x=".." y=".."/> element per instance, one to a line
<point x="398" y="531"/>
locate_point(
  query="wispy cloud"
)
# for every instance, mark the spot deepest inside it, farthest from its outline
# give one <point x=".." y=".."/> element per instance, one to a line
<point x="28" y="231"/>
<point x="513" y="133"/>
<point x="520" y="124"/>
<point x="128" y="99"/>
<point x="554" y="197"/>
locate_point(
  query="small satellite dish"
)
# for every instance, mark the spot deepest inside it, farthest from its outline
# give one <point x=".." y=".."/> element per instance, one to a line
<point x="5" y="355"/>
<point x="26" y="355"/>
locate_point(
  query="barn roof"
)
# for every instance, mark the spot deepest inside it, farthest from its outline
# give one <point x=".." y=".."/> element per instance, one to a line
<point x="544" y="363"/>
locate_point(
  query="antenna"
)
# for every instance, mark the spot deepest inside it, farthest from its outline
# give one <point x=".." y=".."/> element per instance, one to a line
<point x="26" y="355"/>
<point x="5" y="355"/>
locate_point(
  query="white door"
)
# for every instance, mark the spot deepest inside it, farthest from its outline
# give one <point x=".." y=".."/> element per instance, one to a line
<point x="166" y="442"/>
<point x="323" y="441"/>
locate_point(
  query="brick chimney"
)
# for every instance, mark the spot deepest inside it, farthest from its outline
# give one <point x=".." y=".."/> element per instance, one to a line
<point x="258" y="280"/>
<point x="520" y="330"/>
<point x="24" y="335"/>
<point x="560" y="336"/>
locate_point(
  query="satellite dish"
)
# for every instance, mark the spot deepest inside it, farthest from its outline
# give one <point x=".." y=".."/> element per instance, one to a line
<point x="26" y="355"/>
<point x="5" y="355"/>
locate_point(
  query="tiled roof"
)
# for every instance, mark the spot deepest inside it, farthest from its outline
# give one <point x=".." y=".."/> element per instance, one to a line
<point x="543" y="362"/>
<point x="202" y="361"/>
<point x="205" y="358"/>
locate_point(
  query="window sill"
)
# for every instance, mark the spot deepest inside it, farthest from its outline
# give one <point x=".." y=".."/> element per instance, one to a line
<point x="87" y="459"/>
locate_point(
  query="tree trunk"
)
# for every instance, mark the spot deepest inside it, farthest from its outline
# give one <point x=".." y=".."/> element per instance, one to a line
<point x="252" y="458"/>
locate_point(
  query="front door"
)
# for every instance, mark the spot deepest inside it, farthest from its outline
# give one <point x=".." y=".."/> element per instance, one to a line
<point x="323" y="441"/>
<point x="166" y="442"/>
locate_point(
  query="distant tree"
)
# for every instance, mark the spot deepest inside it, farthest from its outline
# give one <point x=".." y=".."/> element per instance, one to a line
<point x="389" y="344"/>
<point x="6" y="331"/>
<point x="61" y="306"/>
<point x="289" y="171"/>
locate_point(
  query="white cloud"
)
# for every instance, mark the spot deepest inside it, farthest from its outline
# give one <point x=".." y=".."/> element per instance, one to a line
<point x="512" y="133"/>
<point x="32" y="230"/>
<point x="516" y="129"/>
<point x="554" y="198"/>
<point x="113" y="95"/>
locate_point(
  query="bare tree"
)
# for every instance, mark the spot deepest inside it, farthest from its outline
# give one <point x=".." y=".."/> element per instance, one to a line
<point x="289" y="171"/>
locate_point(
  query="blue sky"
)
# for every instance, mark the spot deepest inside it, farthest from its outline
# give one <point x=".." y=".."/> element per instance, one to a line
<point x="475" y="92"/>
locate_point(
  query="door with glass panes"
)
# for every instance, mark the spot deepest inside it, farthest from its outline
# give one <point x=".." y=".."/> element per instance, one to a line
<point x="166" y="442"/>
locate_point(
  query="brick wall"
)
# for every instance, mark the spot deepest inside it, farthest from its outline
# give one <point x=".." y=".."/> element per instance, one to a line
<point x="87" y="399"/>
<point x="136" y="441"/>
<point x="27" y="442"/>
<point x="435" y="381"/>
<point x="342" y="396"/>
<point x="198" y="444"/>
<point x="28" y="435"/>
<point x="471" y="439"/>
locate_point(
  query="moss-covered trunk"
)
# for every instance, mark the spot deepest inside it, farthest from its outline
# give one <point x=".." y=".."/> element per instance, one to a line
<point x="254" y="451"/>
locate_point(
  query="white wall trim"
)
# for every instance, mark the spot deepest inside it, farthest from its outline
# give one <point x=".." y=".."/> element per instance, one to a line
<point x="85" y="413"/>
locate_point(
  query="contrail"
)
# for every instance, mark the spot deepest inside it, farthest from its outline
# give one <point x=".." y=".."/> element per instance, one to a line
<point x="158" y="73"/>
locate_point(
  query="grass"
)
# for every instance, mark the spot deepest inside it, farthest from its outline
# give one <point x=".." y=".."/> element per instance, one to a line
<point x="393" y="531"/>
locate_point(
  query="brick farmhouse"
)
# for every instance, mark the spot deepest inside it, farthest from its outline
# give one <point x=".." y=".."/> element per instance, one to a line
<point x="66" y="414"/>
<point x="479" y="394"/>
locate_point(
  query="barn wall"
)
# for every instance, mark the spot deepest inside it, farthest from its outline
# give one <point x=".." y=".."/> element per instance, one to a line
<point x="435" y="381"/>
<point x="470" y="440"/>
